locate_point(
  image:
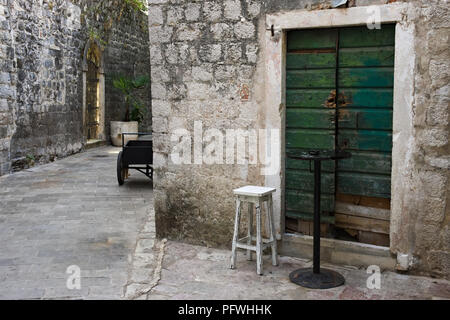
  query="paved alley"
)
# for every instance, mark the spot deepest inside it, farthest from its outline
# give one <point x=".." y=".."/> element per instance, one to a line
<point x="200" y="273"/>
<point x="70" y="213"/>
<point x="73" y="213"/>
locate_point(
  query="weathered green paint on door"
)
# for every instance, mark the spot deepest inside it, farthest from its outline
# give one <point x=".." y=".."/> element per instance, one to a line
<point x="339" y="93"/>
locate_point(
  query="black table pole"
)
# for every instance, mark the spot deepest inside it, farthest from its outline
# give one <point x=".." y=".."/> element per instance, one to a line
<point x="316" y="250"/>
<point x="316" y="277"/>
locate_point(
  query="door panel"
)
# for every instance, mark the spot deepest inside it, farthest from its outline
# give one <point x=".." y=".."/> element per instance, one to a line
<point x="367" y="162"/>
<point x="366" y="140"/>
<point x="305" y="165"/>
<point x="307" y="181"/>
<point x="368" y="98"/>
<point x="381" y="77"/>
<point x="366" y="57"/>
<point x="316" y="39"/>
<point x="309" y="98"/>
<point x="311" y="60"/>
<point x="365" y="88"/>
<point x="364" y="184"/>
<point x="318" y="78"/>
<point x="339" y="94"/>
<point x="357" y="37"/>
<point x="310" y="117"/>
<point x="309" y="139"/>
<point x="360" y="118"/>
<point x="302" y="203"/>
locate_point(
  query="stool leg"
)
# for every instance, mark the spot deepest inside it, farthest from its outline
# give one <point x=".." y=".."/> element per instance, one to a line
<point x="267" y="221"/>
<point x="259" y="266"/>
<point x="250" y="231"/>
<point x="273" y="236"/>
<point x="236" y="233"/>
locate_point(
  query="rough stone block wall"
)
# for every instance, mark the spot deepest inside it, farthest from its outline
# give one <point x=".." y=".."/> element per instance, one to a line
<point x="202" y="52"/>
<point x="7" y="88"/>
<point x="425" y="231"/>
<point x="41" y="89"/>
<point x="127" y="52"/>
<point x="46" y="43"/>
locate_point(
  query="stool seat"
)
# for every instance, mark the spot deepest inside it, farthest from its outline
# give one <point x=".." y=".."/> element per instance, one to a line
<point x="253" y="191"/>
<point x="255" y="196"/>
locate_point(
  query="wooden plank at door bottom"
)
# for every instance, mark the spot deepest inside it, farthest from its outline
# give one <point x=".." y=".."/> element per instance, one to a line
<point x="307" y="228"/>
<point x="373" y="202"/>
<point x="362" y="211"/>
<point x="377" y="239"/>
<point x="309" y="217"/>
<point x="345" y="221"/>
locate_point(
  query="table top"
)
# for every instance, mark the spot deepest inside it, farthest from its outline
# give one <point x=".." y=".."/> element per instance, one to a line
<point x="319" y="155"/>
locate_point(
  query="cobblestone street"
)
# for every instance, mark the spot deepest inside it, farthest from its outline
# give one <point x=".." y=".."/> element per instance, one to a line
<point x="194" y="272"/>
<point x="70" y="212"/>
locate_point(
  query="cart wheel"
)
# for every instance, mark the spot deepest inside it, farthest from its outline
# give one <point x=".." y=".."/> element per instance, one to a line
<point x="120" y="170"/>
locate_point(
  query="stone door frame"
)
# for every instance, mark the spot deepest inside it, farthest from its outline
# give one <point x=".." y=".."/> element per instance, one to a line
<point x="101" y="80"/>
<point x="274" y="47"/>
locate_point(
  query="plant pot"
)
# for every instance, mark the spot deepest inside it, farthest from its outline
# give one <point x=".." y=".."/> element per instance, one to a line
<point x="119" y="127"/>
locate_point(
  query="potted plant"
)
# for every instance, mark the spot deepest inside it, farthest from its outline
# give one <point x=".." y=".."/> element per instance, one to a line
<point x="134" y="108"/>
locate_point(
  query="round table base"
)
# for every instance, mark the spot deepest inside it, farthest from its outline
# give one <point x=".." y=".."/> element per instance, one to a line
<point x="324" y="280"/>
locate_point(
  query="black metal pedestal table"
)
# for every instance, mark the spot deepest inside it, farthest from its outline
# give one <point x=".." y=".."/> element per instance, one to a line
<point x="316" y="277"/>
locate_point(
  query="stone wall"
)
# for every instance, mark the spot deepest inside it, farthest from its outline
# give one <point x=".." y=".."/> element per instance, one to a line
<point x="46" y="45"/>
<point x="41" y="94"/>
<point x="201" y="54"/>
<point x="204" y="52"/>
<point x="127" y="53"/>
<point x="424" y="230"/>
<point x="7" y="87"/>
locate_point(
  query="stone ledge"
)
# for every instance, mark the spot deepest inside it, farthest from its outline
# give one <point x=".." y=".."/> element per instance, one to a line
<point x="338" y="251"/>
<point x="95" y="144"/>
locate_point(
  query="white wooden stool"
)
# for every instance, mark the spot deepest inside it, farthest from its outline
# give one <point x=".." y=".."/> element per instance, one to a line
<point x="254" y="195"/>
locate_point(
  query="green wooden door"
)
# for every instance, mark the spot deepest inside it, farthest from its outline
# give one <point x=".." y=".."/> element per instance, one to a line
<point x="339" y="85"/>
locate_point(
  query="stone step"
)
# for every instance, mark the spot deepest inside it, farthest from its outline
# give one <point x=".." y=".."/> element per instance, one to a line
<point x="95" y="144"/>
